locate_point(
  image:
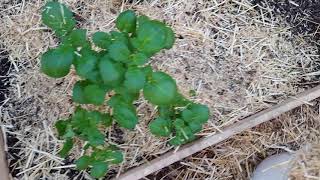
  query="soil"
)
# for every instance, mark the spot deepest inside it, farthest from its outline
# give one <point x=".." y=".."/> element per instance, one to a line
<point x="13" y="152"/>
<point x="302" y="15"/>
<point x="4" y="70"/>
<point x="71" y="173"/>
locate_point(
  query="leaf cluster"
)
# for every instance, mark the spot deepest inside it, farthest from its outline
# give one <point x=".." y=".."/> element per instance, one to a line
<point x="116" y="64"/>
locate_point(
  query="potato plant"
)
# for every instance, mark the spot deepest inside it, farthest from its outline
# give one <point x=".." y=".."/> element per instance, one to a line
<point x="116" y="63"/>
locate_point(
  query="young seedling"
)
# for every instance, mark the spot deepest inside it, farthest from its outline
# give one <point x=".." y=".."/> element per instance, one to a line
<point x="119" y="68"/>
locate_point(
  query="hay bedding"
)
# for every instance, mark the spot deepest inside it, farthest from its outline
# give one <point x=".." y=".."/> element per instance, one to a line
<point x="307" y="165"/>
<point x="238" y="58"/>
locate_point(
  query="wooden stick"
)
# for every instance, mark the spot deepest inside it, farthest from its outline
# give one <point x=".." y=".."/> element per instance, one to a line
<point x="4" y="172"/>
<point x="247" y="123"/>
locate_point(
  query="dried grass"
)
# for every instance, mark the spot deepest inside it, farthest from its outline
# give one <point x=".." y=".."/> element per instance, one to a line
<point x="239" y="61"/>
<point x="307" y="165"/>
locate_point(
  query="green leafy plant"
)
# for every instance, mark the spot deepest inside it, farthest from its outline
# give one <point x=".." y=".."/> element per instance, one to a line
<point x="116" y="63"/>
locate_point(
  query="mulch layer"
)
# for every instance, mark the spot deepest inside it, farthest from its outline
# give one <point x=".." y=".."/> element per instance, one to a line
<point x="302" y="15"/>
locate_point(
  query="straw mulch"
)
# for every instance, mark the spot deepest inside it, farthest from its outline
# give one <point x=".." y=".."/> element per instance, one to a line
<point x="307" y="165"/>
<point x="238" y="58"/>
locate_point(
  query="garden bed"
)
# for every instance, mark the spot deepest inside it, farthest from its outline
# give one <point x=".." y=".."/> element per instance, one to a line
<point x="238" y="59"/>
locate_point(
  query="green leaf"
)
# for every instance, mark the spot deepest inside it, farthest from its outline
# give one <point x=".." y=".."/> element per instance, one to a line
<point x="195" y="127"/>
<point x="180" y="139"/>
<point x="83" y="162"/>
<point x="111" y="154"/>
<point x="77" y="38"/>
<point x="134" y="79"/>
<point x="116" y="100"/>
<point x="78" y="95"/>
<point x="181" y="101"/>
<point x="106" y="120"/>
<point x="179" y="123"/>
<point x="80" y="122"/>
<point x="119" y="51"/>
<point x="99" y="169"/>
<point x="69" y="132"/>
<point x="116" y="157"/>
<point x="67" y="146"/>
<point x="161" y="89"/>
<point x="177" y="141"/>
<point x="99" y="154"/>
<point x="94" y="77"/>
<point x="113" y="147"/>
<point x="58" y="17"/>
<point x="56" y="63"/>
<point x="86" y="93"/>
<point x="61" y="126"/>
<point x="187" y="134"/>
<point x="125" y="95"/>
<point x="101" y="39"/>
<point x="196" y="113"/>
<point x="64" y="128"/>
<point x="122" y="96"/>
<point x="120" y="37"/>
<point x="94" y="94"/>
<point x="151" y="37"/>
<point x="161" y="127"/>
<point x="79" y="114"/>
<point x="86" y="146"/>
<point x="86" y="64"/>
<point x="142" y="19"/>
<point x="169" y="38"/>
<point x="183" y="134"/>
<point x="85" y="124"/>
<point x="95" y="116"/>
<point x="139" y="59"/>
<point x="112" y="73"/>
<point x="166" y="111"/>
<point x="148" y="71"/>
<point x="95" y="137"/>
<point x="125" y="115"/>
<point x="126" y="21"/>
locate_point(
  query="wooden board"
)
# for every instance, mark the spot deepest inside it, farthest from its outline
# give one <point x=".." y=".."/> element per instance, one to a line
<point x="238" y="127"/>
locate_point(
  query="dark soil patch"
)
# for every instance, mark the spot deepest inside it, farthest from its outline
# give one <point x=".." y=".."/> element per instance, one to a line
<point x="135" y="1"/>
<point x="70" y="172"/>
<point x="303" y="15"/>
<point x="13" y="154"/>
<point x="117" y="135"/>
<point x="304" y="19"/>
<point x="5" y="65"/>
<point x="12" y="141"/>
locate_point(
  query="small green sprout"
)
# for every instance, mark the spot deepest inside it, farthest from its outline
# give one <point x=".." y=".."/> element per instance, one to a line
<point x="120" y="69"/>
